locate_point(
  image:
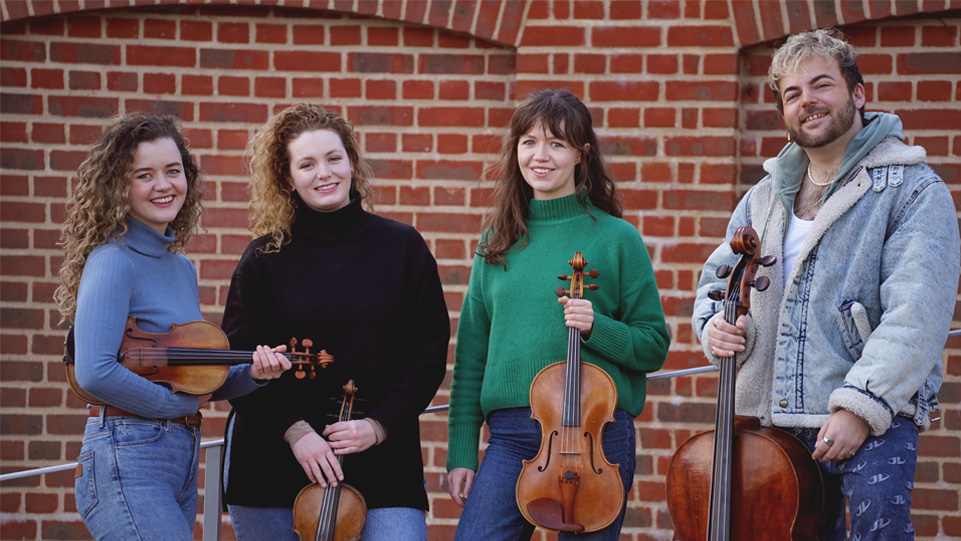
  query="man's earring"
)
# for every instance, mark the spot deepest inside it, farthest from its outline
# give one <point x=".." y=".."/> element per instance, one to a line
<point x="787" y="133"/>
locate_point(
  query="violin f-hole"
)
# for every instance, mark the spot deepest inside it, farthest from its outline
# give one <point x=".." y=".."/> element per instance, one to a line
<point x="550" y="446"/>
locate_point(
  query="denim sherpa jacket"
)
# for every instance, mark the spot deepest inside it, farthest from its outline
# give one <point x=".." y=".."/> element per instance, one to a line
<point x="868" y="305"/>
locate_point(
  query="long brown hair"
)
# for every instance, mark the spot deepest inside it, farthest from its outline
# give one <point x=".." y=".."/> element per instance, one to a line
<point x="273" y="206"/>
<point x="100" y="201"/>
<point x="565" y="116"/>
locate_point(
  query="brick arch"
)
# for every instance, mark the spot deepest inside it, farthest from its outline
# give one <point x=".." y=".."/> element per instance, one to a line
<point x="492" y="20"/>
<point x="759" y="21"/>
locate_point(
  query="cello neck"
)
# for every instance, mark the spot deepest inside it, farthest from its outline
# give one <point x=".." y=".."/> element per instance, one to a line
<point x="572" y="389"/>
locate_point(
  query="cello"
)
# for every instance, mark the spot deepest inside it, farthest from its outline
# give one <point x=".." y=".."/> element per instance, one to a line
<point x="335" y="513"/>
<point x="191" y="358"/>
<point x="570" y="486"/>
<point x="758" y="483"/>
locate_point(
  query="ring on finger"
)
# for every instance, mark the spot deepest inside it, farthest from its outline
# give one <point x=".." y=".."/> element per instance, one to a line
<point x="827" y="441"/>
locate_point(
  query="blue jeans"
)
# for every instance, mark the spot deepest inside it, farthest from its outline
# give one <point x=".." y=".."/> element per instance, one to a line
<point x="276" y="524"/>
<point x="876" y="482"/>
<point x="491" y="512"/>
<point x="138" y="479"/>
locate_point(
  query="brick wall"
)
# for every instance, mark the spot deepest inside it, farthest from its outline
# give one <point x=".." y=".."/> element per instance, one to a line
<point x="678" y="94"/>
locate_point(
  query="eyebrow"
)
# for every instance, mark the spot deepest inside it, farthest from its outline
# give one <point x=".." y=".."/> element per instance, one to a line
<point x="813" y="80"/>
<point x="171" y="164"/>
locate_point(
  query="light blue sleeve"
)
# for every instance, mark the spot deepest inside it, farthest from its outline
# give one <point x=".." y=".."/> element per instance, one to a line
<point x="103" y="304"/>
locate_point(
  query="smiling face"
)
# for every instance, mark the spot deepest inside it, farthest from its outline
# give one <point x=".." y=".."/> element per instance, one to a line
<point x="818" y="107"/>
<point x="158" y="185"/>
<point x="320" y="170"/>
<point x="547" y="162"/>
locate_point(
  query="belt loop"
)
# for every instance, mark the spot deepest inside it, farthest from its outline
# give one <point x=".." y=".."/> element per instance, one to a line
<point x="167" y="424"/>
<point x="102" y="415"/>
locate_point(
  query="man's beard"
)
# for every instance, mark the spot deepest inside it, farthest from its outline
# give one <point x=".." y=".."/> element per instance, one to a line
<point x="840" y="124"/>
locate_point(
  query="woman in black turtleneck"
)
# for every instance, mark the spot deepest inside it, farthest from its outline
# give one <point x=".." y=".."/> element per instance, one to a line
<point x="361" y="287"/>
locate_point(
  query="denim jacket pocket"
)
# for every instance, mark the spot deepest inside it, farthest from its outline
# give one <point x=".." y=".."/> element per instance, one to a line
<point x="85" y="485"/>
<point x="855" y="327"/>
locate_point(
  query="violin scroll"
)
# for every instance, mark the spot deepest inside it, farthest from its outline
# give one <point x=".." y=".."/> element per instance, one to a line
<point x="577" y="280"/>
<point x="305" y="358"/>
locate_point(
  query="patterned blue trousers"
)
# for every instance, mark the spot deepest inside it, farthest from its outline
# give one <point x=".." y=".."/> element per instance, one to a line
<point x="875" y="483"/>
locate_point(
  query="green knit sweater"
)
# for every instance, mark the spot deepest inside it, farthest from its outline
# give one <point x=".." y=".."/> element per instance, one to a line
<point x="511" y="324"/>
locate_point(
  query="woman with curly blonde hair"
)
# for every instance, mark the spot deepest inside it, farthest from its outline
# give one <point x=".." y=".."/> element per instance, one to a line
<point x="364" y="288"/>
<point x="136" y="204"/>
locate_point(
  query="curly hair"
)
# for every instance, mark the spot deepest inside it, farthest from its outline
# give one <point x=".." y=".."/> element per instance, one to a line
<point x="273" y="205"/>
<point x="826" y="44"/>
<point x="100" y="201"/>
<point x="565" y="116"/>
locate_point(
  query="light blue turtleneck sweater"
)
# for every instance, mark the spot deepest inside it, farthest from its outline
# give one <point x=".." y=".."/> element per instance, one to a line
<point x="135" y="275"/>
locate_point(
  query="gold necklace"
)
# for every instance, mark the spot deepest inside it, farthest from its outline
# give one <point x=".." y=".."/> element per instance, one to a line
<point x="816" y="183"/>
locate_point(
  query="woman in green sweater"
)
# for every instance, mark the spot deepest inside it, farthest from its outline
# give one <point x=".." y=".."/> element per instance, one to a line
<point x="554" y="198"/>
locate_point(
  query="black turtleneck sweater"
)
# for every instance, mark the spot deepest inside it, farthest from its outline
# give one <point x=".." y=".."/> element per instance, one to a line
<point x="366" y="290"/>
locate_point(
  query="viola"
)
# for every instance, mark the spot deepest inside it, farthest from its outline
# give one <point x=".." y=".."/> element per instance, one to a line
<point x="335" y="513"/>
<point x="191" y="358"/>
<point x="570" y="486"/>
<point x="742" y="480"/>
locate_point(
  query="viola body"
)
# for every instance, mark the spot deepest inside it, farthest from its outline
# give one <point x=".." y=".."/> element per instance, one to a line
<point x="776" y="490"/>
<point x="570" y="485"/>
<point x="345" y="524"/>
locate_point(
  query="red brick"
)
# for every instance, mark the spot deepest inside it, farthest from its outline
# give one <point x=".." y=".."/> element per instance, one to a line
<point x="12" y="77"/>
<point x="270" y="33"/>
<point x="417" y="142"/>
<point x="307" y="61"/>
<point x="233" y="32"/>
<point x="449" y="170"/>
<point x="545" y="36"/>
<point x="897" y="36"/>
<point x="621" y="37"/>
<point x="381" y="116"/>
<point x="380" y="36"/>
<point x="310" y="34"/>
<point x="624" y="91"/>
<point x="699" y="36"/>
<point x="123" y="28"/>
<point x="232" y="59"/>
<point x="149" y="55"/>
<point x="123" y="82"/>
<point x="160" y="83"/>
<point x="202" y="85"/>
<point x="46" y="78"/>
<point x="196" y="31"/>
<point x="84" y="27"/>
<point x="450" y="116"/>
<point x="345" y="35"/>
<point x="452" y="144"/>
<point x="14" y="132"/>
<point x="159" y="29"/>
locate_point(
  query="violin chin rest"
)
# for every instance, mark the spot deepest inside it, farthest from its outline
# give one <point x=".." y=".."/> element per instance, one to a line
<point x="547" y="512"/>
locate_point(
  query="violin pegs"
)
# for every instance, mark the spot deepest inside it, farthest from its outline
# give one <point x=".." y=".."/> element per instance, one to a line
<point x="560" y="291"/>
<point x="307" y="343"/>
<point x="562" y="277"/>
<point x="723" y="271"/>
<point x="299" y="373"/>
<point x="767" y="261"/>
<point x="594" y="273"/>
<point x="716" y="295"/>
<point x="591" y="286"/>
<point x="761" y="283"/>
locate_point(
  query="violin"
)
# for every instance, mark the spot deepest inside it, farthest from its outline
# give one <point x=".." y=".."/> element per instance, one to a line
<point x="570" y="486"/>
<point x="191" y="358"/>
<point x="758" y="483"/>
<point x="335" y="513"/>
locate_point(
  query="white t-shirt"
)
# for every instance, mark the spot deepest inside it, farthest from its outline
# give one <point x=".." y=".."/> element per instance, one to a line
<point x="797" y="231"/>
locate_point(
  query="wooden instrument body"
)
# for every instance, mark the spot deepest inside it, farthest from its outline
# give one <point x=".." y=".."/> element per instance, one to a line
<point x="775" y="473"/>
<point x="570" y="486"/>
<point x="192" y="358"/>
<point x="573" y="449"/>
<point x="351" y="509"/>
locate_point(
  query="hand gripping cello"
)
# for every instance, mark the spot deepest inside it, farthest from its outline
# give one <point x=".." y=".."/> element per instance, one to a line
<point x="760" y="483"/>
<point x="570" y="486"/>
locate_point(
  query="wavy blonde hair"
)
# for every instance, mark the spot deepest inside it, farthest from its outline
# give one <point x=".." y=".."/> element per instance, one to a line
<point x="273" y="205"/>
<point x="826" y="44"/>
<point x="100" y="202"/>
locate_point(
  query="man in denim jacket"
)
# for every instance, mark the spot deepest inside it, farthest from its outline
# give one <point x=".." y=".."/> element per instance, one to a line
<point x="844" y="348"/>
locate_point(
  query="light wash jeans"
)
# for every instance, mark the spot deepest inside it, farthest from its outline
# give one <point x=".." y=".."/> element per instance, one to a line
<point x="876" y="482"/>
<point x="139" y="479"/>
<point x="491" y="512"/>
